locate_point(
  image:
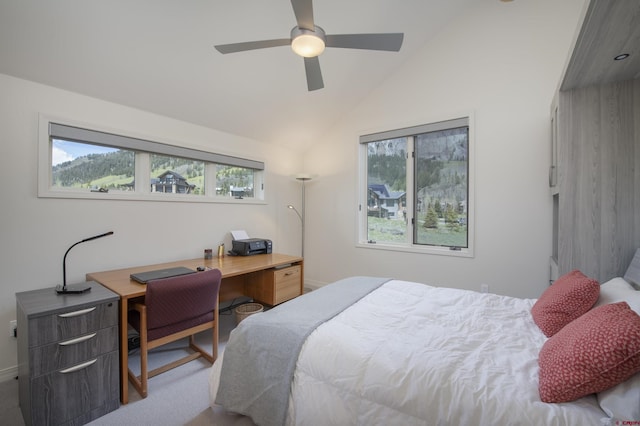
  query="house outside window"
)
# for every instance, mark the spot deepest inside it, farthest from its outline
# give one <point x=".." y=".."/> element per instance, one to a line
<point x="419" y="189"/>
<point x="177" y="175"/>
<point x="392" y="202"/>
<point x="170" y="181"/>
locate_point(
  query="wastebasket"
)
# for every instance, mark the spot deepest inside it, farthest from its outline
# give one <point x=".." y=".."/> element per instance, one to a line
<point x="243" y="311"/>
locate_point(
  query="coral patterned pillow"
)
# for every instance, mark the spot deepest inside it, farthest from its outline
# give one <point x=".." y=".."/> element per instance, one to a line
<point x="570" y="296"/>
<point x="595" y="352"/>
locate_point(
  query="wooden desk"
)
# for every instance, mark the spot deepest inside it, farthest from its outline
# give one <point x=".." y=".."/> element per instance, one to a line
<point x="253" y="276"/>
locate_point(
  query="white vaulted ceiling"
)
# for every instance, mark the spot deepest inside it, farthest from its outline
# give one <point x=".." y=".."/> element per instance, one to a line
<point x="158" y="56"/>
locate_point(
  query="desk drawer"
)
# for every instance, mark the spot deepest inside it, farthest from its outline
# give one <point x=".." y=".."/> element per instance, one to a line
<point x="72" y="323"/>
<point x="287" y="283"/>
<point x="274" y="286"/>
<point x="66" y="353"/>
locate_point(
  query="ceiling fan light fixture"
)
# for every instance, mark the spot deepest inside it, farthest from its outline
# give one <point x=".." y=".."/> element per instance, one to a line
<point x="307" y="46"/>
<point x="306" y="43"/>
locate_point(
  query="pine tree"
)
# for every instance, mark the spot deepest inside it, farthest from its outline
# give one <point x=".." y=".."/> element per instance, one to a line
<point x="438" y="208"/>
<point x="431" y="220"/>
<point x="451" y="217"/>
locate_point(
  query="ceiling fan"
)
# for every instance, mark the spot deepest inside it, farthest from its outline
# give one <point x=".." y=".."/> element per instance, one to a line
<point x="309" y="40"/>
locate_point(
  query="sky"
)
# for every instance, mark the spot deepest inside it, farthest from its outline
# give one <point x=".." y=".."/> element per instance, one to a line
<point x="62" y="151"/>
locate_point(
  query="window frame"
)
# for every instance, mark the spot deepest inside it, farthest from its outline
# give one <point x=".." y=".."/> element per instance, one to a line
<point x="362" y="188"/>
<point x="143" y="149"/>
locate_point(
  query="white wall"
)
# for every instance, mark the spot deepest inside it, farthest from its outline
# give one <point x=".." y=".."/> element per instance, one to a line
<point x="499" y="61"/>
<point x="502" y="62"/>
<point x="35" y="232"/>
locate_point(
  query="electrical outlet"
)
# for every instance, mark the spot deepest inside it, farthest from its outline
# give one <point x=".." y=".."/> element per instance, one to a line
<point x="13" y="328"/>
<point x="484" y="288"/>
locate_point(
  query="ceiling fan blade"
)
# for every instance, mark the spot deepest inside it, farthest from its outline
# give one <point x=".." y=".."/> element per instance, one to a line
<point x="303" y="9"/>
<point x="314" y="75"/>
<point x="252" y="45"/>
<point x="390" y="41"/>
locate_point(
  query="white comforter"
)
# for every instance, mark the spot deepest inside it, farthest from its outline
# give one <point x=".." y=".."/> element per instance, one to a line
<point x="411" y="354"/>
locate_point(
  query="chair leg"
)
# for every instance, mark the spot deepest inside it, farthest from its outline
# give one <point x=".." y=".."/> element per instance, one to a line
<point x="135" y="382"/>
<point x="176" y="363"/>
<point x="144" y="355"/>
<point x="200" y="351"/>
<point x="211" y="357"/>
<point x="140" y="382"/>
<point x="214" y="339"/>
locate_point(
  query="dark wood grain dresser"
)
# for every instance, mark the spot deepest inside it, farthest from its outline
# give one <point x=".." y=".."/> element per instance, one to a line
<point x="68" y="355"/>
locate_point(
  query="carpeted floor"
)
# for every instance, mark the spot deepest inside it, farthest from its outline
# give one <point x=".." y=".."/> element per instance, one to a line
<point x="9" y="407"/>
<point x="177" y="397"/>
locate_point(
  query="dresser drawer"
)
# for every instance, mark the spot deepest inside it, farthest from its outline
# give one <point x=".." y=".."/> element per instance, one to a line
<point x="65" y="353"/>
<point x="72" y="323"/>
<point x="75" y="397"/>
<point x="287" y="282"/>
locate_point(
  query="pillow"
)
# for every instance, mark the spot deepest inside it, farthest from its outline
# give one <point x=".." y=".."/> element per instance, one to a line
<point x="622" y="402"/>
<point x="595" y="352"/>
<point x="619" y="290"/>
<point x="566" y="299"/>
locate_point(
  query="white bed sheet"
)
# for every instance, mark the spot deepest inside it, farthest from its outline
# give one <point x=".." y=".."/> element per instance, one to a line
<point x="412" y="354"/>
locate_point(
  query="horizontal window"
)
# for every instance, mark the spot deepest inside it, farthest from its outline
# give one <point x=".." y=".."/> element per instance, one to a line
<point x="417" y="189"/>
<point x="78" y="162"/>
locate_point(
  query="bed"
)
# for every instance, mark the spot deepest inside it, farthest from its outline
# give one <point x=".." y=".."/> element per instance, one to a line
<point x="374" y="351"/>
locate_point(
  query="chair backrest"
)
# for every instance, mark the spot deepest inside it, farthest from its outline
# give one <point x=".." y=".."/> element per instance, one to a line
<point x="177" y="299"/>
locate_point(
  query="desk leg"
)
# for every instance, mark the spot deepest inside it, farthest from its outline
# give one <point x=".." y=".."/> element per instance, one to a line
<point x="124" y="351"/>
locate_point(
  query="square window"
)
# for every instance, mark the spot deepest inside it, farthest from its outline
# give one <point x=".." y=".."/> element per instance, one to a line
<point x="418" y="189"/>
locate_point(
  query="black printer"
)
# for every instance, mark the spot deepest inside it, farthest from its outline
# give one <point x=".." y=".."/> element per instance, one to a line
<point x="250" y="246"/>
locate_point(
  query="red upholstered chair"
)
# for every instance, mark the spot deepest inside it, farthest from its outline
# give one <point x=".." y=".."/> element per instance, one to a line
<point x="175" y="308"/>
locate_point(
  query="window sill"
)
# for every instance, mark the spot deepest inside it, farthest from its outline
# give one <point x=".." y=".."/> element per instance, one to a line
<point x="162" y="197"/>
<point x="439" y="251"/>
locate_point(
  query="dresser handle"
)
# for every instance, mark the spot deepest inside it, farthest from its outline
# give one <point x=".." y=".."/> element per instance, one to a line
<point x="78" y="340"/>
<point x="78" y="367"/>
<point x="77" y="313"/>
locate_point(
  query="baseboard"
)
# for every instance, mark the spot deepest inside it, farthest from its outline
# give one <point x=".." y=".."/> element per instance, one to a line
<point x="313" y="285"/>
<point x="8" y="374"/>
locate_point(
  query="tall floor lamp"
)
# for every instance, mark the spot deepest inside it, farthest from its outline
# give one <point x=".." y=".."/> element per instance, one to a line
<point x="303" y="179"/>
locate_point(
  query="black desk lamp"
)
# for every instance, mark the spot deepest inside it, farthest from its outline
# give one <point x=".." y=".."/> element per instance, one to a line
<point x="75" y="288"/>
